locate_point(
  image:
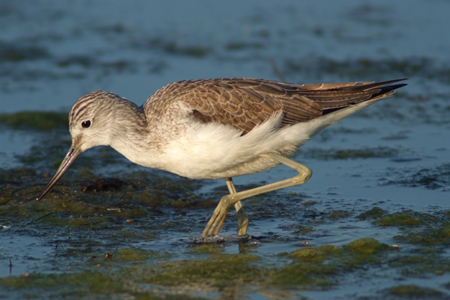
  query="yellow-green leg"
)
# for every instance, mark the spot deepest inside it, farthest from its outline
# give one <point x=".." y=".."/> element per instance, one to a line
<point x="215" y="223"/>
<point x="240" y="211"/>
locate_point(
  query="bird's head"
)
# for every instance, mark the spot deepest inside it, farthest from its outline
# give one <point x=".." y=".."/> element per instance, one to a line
<point x="90" y="126"/>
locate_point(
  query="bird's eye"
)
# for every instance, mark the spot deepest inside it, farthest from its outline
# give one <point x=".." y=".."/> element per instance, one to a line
<point x="86" y="124"/>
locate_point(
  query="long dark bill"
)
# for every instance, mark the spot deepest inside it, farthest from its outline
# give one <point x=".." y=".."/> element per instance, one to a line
<point x="68" y="160"/>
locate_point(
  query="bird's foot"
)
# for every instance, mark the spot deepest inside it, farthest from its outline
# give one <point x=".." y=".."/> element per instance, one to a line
<point x="215" y="223"/>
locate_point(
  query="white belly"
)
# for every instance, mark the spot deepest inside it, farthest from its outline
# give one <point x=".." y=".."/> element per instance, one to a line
<point x="217" y="151"/>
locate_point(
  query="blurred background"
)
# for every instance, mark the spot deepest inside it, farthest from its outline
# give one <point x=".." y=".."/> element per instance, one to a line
<point x="59" y="51"/>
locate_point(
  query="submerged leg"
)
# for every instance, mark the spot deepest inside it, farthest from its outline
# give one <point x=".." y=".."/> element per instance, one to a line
<point x="215" y="223"/>
<point x="240" y="212"/>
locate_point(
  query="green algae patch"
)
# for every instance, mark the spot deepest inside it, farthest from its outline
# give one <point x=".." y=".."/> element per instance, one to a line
<point x="420" y="265"/>
<point x="365" y="251"/>
<point x="219" y="271"/>
<point x="415" y="292"/>
<point x="303" y="276"/>
<point x="359" y="252"/>
<point x="366" y="246"/>
<point x="308" y="203"/>
<point x="166" y="296"/>
<point x="206" y="248"/>
<point x="149" y="198"/>
<point x="314" y="254"/>
<point x="65" y="204"/>
<point x="139" y="234"/>
<point x="445" y="230"/>
<point x="430" y="235"/>
<point x="131" y="254"/>
<point x="85" y="201"/>
<point x="69" y="222"/>
<point x="375" y="212"/>
<point x="41" y="120"/>
<point x="405" y="218"/>
<point x="305" y="230"/>
<point x="134" y="254"/>
<point x="195" y="203"/>
<point x="338" y="214"/>
<point x="80" y="284"/>
<point x="409" y="260"/>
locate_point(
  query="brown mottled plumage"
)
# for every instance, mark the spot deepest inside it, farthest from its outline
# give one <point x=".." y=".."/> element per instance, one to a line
<point x="244" y="102"/>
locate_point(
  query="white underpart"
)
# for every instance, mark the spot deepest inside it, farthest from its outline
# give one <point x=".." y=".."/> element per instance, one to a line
<point x="217" y="151"/>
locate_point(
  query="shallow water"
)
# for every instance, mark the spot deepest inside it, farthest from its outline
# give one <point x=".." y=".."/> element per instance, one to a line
<point x="392" y="156"/>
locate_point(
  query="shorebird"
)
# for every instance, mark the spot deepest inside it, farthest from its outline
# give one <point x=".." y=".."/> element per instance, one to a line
<point x="218" y="128"/>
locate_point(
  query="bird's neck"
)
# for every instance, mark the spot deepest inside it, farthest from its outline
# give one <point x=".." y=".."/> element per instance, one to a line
<point x="129" y="134"/>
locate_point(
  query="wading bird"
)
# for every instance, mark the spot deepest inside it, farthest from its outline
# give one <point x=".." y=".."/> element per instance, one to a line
<point x="218" y="128"/>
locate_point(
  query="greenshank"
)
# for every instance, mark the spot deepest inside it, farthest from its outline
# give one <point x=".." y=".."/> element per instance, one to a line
<point x="218" y="128"/>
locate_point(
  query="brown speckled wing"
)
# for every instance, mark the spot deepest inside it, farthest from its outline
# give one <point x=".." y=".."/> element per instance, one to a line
<point x="244" y="103"/>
